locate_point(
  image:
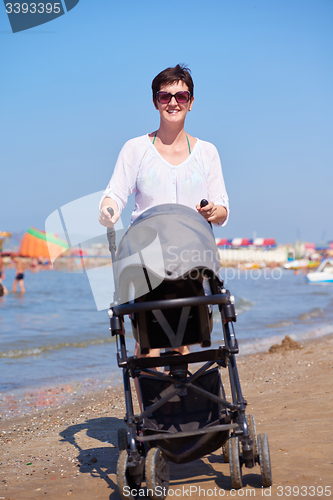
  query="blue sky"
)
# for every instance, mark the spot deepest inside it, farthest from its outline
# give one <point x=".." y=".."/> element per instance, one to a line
<point x="75" y="89"/>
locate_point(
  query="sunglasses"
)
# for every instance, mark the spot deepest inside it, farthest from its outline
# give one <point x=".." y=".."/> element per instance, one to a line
<point x="165" y="97"/>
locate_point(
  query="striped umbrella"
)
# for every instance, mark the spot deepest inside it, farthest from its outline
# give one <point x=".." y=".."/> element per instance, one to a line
<point x="37" y="244"/>
<point x="264" y="242"/>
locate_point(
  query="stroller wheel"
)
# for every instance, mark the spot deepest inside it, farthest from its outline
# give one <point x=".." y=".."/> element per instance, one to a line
<point x="122" y="439"/>
<point x="264" y="461"/>
<point x="253" y="434"/>
<point x="234" y="463"/>
<point x="125" y="481"/>
<point x="225" y="451"/>
<point x="157" y="474"/>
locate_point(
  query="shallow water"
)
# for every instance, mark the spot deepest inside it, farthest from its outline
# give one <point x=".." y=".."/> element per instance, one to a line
<point x="54" y="335"/>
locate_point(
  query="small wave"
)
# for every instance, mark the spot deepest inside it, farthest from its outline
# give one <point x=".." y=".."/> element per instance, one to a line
<point x="280" y="324"/>
<point x="243" y="305"/>
<point x="36" y="351"/>
<point x="315" y="313"/>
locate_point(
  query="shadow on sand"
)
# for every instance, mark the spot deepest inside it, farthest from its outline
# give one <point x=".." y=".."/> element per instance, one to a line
<point x="101" y="461"/>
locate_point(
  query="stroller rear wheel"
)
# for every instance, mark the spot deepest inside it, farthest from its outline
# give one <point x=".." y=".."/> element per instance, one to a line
<point x="157" y="474"/>
<point x="122" y="439"/>
<point x="125" y="481"/>
<point x="264" y="461"/>
<point x="253" y="435"/>
<point x="234" y="463"/>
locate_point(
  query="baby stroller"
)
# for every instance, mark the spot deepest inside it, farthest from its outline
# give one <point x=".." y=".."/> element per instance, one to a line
<point x="166" y="273"/>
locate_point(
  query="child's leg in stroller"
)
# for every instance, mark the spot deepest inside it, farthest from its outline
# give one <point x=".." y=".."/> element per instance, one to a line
<point x="152" y="353"/>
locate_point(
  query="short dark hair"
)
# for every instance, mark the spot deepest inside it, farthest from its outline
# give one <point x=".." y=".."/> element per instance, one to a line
<point x="172" y="75"/>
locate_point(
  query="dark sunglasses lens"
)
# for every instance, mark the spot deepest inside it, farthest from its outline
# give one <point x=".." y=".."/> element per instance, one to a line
<point x="164" y="97"/>
<point x="182" y="97"/>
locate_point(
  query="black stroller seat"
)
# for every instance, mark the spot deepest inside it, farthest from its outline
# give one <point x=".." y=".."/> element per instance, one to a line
<point x="172" y="328"/>
<point x="167" y="280"/>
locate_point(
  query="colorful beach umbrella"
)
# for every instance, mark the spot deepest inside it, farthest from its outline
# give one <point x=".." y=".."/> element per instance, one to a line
<point x="240" y="242"/>
<point x="264" y="242"/>
<point x="221" y="242"/>
<point x="37" y="244"/>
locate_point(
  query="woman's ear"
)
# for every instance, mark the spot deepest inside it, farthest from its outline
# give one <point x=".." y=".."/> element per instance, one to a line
<point x="191" y="103"/>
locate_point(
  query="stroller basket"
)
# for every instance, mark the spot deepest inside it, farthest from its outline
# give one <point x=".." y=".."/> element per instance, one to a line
<point x="188" y="413"/>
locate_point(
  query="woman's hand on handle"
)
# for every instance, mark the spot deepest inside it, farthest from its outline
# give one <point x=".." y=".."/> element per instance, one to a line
<point x="212" y="213"/>
<point x="105" y="217"/>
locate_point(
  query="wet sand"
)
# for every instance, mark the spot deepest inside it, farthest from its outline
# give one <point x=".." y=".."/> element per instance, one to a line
<point x="69" y="449"/>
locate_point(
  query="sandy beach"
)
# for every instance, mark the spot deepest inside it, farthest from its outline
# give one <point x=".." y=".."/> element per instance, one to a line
<point x="69" y="449"/>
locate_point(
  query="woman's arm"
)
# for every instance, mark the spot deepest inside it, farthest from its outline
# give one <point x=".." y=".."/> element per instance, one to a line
<point x="123" y="180"/>
<point x="218" y="207"/>
<point x="104" y="217"/>
<point x="213" y="213"/>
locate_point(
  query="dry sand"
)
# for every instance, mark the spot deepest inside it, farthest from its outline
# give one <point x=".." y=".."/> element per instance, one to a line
<point x="70" y="449"/>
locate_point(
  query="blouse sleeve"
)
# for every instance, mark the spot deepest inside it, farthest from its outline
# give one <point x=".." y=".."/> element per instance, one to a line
<point x="216" y="186"/>
<point x="123" y="180"/>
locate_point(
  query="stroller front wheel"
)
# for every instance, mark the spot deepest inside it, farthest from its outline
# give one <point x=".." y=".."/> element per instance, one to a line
<point x="157" y="474"/>
<point x="234" y="463"/>
<point x="126" y="483"/>
<point x="264" y="461"/>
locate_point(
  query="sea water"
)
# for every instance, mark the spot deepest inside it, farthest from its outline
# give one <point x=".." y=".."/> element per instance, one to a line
<point x="54" y="334"/>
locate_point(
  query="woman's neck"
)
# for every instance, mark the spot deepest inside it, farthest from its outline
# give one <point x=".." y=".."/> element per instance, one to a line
<point x="171" y="135"/>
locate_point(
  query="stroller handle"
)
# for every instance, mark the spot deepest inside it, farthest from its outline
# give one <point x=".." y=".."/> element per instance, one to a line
<point x="204" y="203"/>
<point x="220" y="298"/>
<point x="111" y="235"/>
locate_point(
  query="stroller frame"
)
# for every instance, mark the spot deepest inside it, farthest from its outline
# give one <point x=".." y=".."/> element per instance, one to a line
<point x="241" y="446"/>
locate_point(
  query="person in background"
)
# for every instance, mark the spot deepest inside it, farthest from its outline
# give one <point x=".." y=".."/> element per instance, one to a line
<point x="19" y="277"/>
<point x="4" y="290"/>
<point x="34" y="265"/>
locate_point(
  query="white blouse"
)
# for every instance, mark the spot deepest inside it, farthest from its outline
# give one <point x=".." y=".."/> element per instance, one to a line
<point x="140" y="167"/>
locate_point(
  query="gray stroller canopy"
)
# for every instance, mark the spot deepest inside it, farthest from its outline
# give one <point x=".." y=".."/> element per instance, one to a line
<point x="166" y="242"/>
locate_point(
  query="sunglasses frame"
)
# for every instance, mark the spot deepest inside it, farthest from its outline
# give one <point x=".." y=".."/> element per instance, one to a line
<point x="173" y="95"/>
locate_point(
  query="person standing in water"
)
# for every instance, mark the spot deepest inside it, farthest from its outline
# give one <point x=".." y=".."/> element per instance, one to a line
<point x="19" y="277"/>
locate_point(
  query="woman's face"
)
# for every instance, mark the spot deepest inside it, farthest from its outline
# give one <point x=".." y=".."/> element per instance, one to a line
<point x="173" y="112"/>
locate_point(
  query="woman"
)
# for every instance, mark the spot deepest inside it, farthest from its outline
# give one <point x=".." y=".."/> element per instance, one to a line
<point x="168" y="165"/>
